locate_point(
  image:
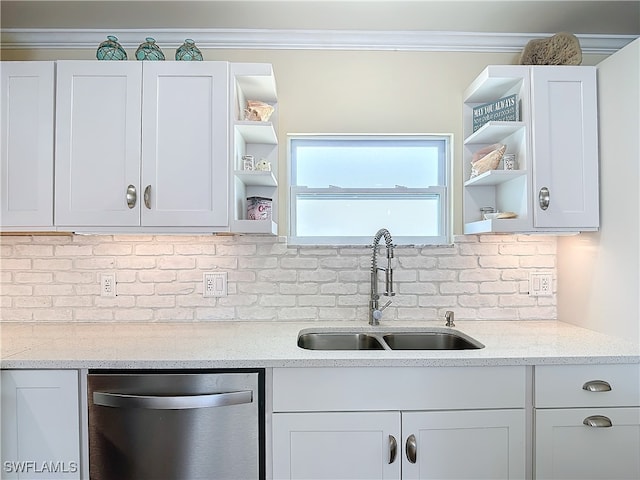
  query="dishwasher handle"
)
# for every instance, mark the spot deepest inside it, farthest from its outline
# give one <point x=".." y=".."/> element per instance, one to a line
<point x="177" y="402"/>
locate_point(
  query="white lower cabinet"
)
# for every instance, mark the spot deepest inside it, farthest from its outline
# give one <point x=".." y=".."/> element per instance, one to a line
<point x="587" y="422"/>
<point x="608" y="449"/>
<point x="40" y="424"/>
<point x="392" y="445"/>
<point x="336" y="445"/>
<point x="399" y="423"/>
<point x="467" y="444"/>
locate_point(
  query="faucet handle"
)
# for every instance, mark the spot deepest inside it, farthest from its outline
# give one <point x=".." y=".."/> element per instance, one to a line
<point x="377" y="313"/>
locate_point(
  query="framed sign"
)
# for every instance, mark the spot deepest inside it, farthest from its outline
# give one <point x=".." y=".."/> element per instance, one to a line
<point x="506" y="109"/>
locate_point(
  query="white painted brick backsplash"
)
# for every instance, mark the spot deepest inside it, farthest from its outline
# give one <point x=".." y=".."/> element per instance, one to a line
<point x="159" y="279"/>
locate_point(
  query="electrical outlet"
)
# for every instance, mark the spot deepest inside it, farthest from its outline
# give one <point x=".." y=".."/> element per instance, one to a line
<point x="107" y="285"/>
<point x="540" y="284"/>
<point x="214" y="284"/>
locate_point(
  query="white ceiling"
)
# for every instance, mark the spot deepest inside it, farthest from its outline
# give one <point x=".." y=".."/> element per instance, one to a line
<point x="580" y="17"/>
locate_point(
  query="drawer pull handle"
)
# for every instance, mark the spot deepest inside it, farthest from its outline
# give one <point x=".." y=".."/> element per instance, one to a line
<point x="597" y="386"/>
<point x="393" y="448"/>
<point x="598" y="421"/>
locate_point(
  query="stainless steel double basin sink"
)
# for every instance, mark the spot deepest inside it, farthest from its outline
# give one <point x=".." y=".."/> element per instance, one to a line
<point x="424" y="339"/>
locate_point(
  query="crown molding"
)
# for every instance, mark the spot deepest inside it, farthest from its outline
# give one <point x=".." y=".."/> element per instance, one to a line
<point x="267" y="39"/>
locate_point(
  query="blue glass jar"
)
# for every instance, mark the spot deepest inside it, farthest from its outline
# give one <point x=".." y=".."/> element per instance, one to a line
<point x="149" y="50"/>
<point x="188" y="51"/>
<point x="110" y="49"/>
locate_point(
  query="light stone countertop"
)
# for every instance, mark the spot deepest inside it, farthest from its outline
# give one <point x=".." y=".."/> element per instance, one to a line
<point x="271" y="344"/>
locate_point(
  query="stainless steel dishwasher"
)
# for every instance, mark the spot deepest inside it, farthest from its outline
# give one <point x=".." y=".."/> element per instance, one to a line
<point x="168" y="425"/>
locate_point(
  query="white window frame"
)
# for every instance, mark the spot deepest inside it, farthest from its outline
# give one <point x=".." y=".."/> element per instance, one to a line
<point x="443" y="191"/>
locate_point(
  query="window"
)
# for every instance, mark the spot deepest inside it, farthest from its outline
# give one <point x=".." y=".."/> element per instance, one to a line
<point x="346" y="187"/>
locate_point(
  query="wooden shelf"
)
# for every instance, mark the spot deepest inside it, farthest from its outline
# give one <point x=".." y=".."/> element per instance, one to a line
<point x="494" y="177"/>
<point x="497" y="225"/>
<point x="257" y="178"/>
<point x="257" y="132"/>
<point x="493" y="132"/>
<point x="267" y="227"/>
<point x="494" y="82"/>
<point x="256" y="81"/>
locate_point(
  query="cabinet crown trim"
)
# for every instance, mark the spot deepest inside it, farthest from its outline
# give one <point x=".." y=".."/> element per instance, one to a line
<point x="279" y="39"/>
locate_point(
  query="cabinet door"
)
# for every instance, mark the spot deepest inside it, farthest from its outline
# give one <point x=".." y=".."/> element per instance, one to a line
<point x="40" y="424"/>
<point x="483" y="444"/>
<point x="345" y="446"/>
<point x="565" y="146"/>
<point x="26" y="166"/>
<point x="185" y="144"/>
<point x="98" y="118"/>
<point x="566" y="448"/>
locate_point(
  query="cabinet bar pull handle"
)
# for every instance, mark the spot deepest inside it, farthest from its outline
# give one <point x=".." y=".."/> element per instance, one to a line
<point x="393" y="448"/>
<point x="132" y="196"/>
<point x="597" y="386"/>
<point x="160" y="402"/>
<point x="544" y="198"/>
<point x="598" y="421"/>
<point x="411" y="448"/>
<point x="147" y="197"/>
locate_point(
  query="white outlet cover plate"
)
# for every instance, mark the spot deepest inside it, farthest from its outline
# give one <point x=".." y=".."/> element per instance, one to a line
<point x="214" y="284"/>
<point x="107" y="285"/>
<point x="540" y="284"/>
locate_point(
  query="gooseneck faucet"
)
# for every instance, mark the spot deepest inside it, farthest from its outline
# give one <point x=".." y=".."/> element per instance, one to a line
<point x="375" y="312"/>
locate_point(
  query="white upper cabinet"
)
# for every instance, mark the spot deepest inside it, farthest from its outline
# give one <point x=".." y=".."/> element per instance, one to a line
<point x="142" y="144"/>
<point x="565" y="146"/>
<point x="98" y="143"/>
<point x="26" y="164"/>
<point x="184" y="144"/>
<point x="554" y="186"/>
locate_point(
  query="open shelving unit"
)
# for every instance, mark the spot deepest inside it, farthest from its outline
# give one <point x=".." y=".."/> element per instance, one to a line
<point x="504" y="190"/>
<point x="253" y="81"/>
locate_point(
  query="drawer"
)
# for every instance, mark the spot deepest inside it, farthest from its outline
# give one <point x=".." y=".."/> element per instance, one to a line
<point x="587" y="386"/>
<point x="398" y="388"/>
<point x="566" y="448"/>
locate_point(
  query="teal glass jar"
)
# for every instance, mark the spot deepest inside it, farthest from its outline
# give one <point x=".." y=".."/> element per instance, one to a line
<point x="148" y="50"/>
<point x="110" y="49"/>
<point x="188" y="51"/>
